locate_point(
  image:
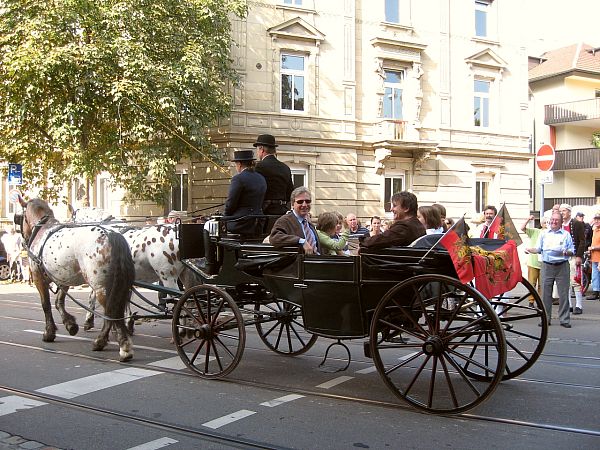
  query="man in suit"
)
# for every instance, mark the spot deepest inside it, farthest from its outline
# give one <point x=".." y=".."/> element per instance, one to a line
<point x="405" y="229"/>
<point x="295" y="228"/>
<point x="277" y="174"/>
<point x="246" y="194"/>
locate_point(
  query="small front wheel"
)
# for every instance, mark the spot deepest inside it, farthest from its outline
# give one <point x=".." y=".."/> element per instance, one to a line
<point x="208" y="331"/>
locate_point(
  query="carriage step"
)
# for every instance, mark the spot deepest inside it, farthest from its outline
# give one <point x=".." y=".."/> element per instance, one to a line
<point x="367" y="349"/>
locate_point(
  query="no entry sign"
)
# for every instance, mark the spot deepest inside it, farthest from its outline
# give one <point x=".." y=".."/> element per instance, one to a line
<point x="544" y="157"/>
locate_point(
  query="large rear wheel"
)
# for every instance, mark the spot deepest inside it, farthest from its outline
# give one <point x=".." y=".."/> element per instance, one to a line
<point x="525" y="325"/>
<point x="427" y="337"/>
<point x="208" y="331"/>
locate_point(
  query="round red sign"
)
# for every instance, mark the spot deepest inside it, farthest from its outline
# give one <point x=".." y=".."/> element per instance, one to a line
<point x="544" y="158"/>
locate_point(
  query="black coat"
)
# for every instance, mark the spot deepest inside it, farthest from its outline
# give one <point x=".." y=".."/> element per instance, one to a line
<point x="401" y="233"/>
<point x="279" y="185"/>
<point x="245" y="197"/>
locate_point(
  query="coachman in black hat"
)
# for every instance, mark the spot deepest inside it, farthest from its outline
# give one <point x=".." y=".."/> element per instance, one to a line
<point x="246" y="195"/>
<point x="277" y="174"/>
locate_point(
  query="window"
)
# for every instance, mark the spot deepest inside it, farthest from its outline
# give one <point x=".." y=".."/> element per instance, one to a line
<point x="103" y="186"/>
<point x="391" y="185"/>
<point x="392" y="11"/>
<point x="179" y="193"/>
<point x="597" y="93"/>
<point x="597" y="188"/>
<point x="293" y="2"/>
<point x="299" y="177"/>
<point x="481" y="18"/>
<point x="481" y="194"/>
<point x="481" y="112"/>
<point x="292" y="82"/>
<point x="392" y="100"/>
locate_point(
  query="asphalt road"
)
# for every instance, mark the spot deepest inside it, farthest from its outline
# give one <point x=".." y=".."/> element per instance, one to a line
<point x="64" y="395"/>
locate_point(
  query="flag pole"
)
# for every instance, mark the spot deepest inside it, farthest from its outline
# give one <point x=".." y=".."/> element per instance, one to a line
<point x="438" y="241"/>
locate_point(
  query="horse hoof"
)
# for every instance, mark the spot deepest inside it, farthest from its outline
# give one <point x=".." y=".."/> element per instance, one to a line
<point x="88" y="325"/>
<point x="98" y="346"/>
<point x="124" y="357"/>
<point x="73" y="329"/>
<point x="48" y="337"/>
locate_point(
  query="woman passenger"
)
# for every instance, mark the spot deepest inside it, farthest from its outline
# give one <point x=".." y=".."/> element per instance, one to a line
<point x="430" y="218"/>
<point x="327" y="226"/>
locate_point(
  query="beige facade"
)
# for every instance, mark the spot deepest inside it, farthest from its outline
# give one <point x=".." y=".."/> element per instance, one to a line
<point x="343" y="140"/>
<point x="565" y="92"/>
<point x="342" y="134"/>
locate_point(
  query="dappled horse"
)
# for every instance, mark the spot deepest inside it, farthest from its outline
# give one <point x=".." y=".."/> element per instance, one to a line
<point x="71" y="255"/>
<point x="155" y="253"/>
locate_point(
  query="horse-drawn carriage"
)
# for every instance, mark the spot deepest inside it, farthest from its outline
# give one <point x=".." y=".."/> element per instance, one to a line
<point x="436" y="342"/>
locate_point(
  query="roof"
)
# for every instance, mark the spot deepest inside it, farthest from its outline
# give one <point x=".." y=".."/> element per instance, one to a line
<point x="580" y="56"/>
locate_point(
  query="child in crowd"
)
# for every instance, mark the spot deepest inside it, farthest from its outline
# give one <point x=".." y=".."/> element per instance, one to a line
<point x="327" y="226"/>
<point x="430" y="218"/>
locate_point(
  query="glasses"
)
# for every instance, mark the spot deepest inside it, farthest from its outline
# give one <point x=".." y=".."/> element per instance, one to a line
<point x="299" y="202"/>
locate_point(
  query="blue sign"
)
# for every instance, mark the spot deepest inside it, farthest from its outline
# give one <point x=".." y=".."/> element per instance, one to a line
<point x="15" y="174"/>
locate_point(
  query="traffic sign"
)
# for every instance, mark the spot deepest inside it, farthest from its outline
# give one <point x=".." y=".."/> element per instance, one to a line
<point x="15" y="174"/>
<point x="544" y="158"/>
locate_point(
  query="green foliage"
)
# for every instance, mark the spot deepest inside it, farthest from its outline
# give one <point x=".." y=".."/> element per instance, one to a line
<point x="596" y="139"/>
<point x="124" y="86"/>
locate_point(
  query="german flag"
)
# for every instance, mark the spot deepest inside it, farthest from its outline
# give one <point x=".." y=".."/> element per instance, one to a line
<point x="456" y="241"/>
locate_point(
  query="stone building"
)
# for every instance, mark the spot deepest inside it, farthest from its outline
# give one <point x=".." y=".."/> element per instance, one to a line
<point x="369" y="97"/>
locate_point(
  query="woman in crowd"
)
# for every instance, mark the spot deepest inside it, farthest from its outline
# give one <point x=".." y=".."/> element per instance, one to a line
<point x="375" y="226"/>
<point x="430" y="218"/>
<point x="327" y="227"/>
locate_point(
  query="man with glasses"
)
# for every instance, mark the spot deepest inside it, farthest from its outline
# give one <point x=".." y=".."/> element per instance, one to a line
<point x="406" y="227"/>
<point x="295" y="228"/>
<point x="277" y="174"/>
<point x="555" y="246"/>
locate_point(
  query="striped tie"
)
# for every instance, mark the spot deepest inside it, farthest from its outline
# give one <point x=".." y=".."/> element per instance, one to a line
<point x="308" y="234"/>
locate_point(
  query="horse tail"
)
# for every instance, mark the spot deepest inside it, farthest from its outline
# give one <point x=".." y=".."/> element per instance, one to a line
<point x="121" y="274"/>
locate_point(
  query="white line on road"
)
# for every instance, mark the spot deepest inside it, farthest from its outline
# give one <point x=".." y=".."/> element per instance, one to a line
<point x="405" y="357"/>
<point x="156" y="444"/>
<point x="367" y="370"/>
<point x="334" y="382"/>
<point x="93" y="383"/>
<point x="78" y="338"/>
<point x="229" y="418"/>
<point x="281" y="400"/>
<point x="14" y="403"/>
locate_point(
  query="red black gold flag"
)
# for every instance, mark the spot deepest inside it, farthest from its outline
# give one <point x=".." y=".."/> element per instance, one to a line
<point x="502" y="227"/>
<point x="456" y="241"/>
<point x="496" y="270"/>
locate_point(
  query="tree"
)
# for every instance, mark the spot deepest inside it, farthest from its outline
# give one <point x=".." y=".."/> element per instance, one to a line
<point x="124" y="86"/>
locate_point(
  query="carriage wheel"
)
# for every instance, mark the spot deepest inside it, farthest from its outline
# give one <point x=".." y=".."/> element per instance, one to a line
<point x="525" y="339"/>
<point x="208" y="331"/>
<point x="284" y="333"/>
<point x="425" y="331"/>
<point x="4" y="271"/>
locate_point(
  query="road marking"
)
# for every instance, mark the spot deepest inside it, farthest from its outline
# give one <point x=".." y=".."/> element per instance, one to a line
<point x="367" y="370"/>
<point x="405" y="357"/>
<point x="281" y="400"/>
<point x="334" y="382"/>
<point x="78" y="338"/>
<point x="229" y="418"/>
<point x="93" y="383"/>
<point x="174" y="363"/>
<point x="153" y="445"/>
<point x="14" y="403"/>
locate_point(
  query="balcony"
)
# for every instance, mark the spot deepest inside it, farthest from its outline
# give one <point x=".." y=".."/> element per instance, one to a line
<point x="577" y="158"/>
<point x="572" y="112"/>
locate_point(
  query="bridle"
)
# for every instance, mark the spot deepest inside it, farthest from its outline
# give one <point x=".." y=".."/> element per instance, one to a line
<point x="20" y="219"/>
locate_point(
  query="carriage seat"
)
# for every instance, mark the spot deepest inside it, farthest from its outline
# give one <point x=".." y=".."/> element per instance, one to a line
<point x="428" y="241"/>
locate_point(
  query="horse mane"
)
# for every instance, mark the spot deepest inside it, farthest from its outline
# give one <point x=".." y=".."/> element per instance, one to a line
<point x="39" y="208"/>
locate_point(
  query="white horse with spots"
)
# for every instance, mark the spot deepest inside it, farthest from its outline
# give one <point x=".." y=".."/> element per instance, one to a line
<point x="155" y="253"/>
<point x="71" y="255"/>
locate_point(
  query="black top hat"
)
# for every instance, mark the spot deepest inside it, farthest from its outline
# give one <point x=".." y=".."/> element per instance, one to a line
<point x="243" y="155"/>
<point x="265" y="139"/>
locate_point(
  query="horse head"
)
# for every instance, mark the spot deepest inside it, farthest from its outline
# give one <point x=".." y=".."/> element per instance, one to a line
<point x="36" y="212"/>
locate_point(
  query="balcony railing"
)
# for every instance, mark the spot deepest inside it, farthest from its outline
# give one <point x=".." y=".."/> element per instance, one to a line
<point x="572" y="112"/>
<point x="586" y="201"/>
<point x="577" y="158"/>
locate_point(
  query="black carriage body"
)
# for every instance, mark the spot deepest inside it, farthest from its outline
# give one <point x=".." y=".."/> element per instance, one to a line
<point x="337" y="294"/>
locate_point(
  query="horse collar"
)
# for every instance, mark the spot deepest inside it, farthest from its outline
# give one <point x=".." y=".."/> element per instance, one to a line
<point x="36" y="228"/>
